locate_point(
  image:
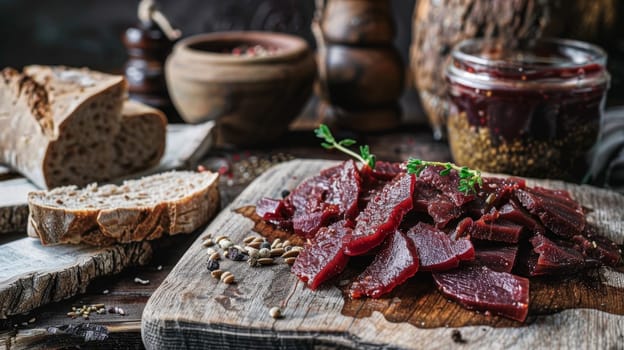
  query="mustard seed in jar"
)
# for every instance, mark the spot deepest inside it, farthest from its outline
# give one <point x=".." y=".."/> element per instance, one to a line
<point x="532" y="111"/>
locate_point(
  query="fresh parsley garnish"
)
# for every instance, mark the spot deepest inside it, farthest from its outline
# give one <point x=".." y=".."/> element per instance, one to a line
<point x="330" y="142"/>
<point x="468" y="178"/>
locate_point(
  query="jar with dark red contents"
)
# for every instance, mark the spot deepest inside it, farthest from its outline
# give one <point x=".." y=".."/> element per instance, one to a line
<point x="534" y="110"/>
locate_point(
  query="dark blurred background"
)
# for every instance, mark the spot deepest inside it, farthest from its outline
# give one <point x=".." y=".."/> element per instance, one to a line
<point x="87" y="32"/>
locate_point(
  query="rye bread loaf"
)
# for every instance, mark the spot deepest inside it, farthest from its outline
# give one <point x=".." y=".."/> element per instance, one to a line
<point x="145" y="209"/>
<point x="140" y="142"/>
<point x="65" y="126"/>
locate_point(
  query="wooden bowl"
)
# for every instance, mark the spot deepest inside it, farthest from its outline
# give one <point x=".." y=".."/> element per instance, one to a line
<point x="251" y="98"/>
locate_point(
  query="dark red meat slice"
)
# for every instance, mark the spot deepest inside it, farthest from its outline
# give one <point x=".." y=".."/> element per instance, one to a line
<point x="513" y="212"/>
<point x="438" y="205"/>
<point x="326" y="197"/>
<point x="463" y="249"/>
<point x="496" y="231"/>
<point x="274" y="211"/>
<point x="382" y="215"/>
<point x="323" y="256"/>
<point x="492" y="194"/>
<point x="386" y="171"/>
<point x="463" y="228"/>
<point x="446" y="184"/>
<point x="311" y="210"/>
<point x="552" y="258"/>
<point x="556" y="210"/>
<point x="501" y="259"/>
<point x="595" y="246"/>
<point x="436" y="251"/>
<point x="308" y="225"/>
<point x="396" y="261"/>
<point x="480" y="288"/>
<point x="345" y="189"/>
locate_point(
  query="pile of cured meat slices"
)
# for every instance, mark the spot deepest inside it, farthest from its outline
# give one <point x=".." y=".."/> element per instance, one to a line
<point x="480" y="247"/>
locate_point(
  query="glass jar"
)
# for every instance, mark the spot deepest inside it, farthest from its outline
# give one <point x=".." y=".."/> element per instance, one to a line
<point x="531" y="111"/>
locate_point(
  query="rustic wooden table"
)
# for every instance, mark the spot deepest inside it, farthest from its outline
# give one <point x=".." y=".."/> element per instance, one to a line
<point x="49" y="327"/>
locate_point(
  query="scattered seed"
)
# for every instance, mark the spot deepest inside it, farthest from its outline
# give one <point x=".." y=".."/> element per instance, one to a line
<point x="252" y="252"/>
<point x="216" y="273"/>
<point x="297" y="248"/>
<point x="71" y="314"/>
<point x="32" y="320"/>
<point x="255" y="245"/>
<point x="290" y="254"/>
<point x="252" y="261"/>
<point x="209" y="235"/>
<point x="120" y="311"/>
<point x="159" y="268"/>
<point x="275" y="312"/>
<point x="85" y="316"/>
<point x="266" y="245"/>
<point x="220" y="238"/>
<point x="265" y="261"/>
<point x="101" y="311"/>
<point x="276" y="252"/>
<point x="105" y="291"/>
<point x="276" y="242"/>
<point x="141" y="281"/>
<point x="240" y="248"/>
<point x="211" y="251"/>
<point x="213" y="264"/>
<point x="249" y="239"/>
<point x="214" y="256"/>
<point x="290" y="260"/>
<point x="259" y="239"/>
<point x="234" y="254"/>
<point x="208" y="243"/>
<point x="227" y="277"/>
<point x="264" y="253"/>
<point x="98" y="306"/>
<point x="225" y="244"/>
<point x="286" y="244"/>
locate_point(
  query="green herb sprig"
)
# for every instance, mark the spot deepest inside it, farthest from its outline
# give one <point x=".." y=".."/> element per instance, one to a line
<point x="330" y="142"/>
<point x="468" y="178"/>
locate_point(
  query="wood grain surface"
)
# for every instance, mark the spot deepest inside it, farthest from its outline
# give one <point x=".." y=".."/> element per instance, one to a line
<point x="192" y="310"/>
<point x="32" y="275"/>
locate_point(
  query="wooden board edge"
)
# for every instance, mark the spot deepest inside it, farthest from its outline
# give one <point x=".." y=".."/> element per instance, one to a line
<point x="35" y="289"/>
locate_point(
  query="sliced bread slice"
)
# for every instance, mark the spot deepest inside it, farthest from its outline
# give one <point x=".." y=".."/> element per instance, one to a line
<point x="154" y="206"/>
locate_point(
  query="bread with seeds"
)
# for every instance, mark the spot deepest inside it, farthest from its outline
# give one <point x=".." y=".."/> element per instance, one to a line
<point x="145" y="209"/>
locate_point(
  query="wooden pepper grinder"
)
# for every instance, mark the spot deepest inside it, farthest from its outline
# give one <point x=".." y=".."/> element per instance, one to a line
<point x="148" y="44"/>
<point x="360" y="71"/>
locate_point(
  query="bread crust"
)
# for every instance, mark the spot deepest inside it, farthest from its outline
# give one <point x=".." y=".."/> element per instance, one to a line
<point x="55" y="224"/>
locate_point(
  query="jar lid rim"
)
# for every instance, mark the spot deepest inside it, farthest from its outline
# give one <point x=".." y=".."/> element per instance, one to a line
<point x="590" y="53"/>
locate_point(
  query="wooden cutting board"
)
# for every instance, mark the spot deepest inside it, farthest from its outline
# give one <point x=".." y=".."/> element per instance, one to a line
<point x="192" y="310"/>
